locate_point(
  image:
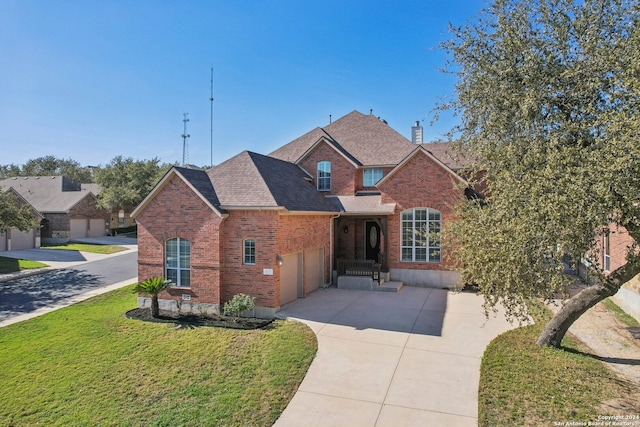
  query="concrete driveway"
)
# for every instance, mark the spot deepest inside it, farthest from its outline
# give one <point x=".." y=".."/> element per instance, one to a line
<point x="410" y="358"/>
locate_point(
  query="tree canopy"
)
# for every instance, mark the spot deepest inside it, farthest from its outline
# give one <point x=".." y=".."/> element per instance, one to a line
<point x="49" y="165"/>
<point x="126" y="182"/>
<point x="14" y="214"/>
<point x="548" y="93"/>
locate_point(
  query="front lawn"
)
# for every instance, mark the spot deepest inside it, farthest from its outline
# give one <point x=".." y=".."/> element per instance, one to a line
<point x="11" y="265"/>
<point x="526" y="385"/>
<point x="89" y="365"/>
<point x="86" y="247"/>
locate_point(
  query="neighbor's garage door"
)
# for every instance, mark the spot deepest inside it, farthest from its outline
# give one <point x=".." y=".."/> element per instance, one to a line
<point x="78" y="228"/>
<point x="21" y="240"/>
<point x="313" y="269"/>
<point x="290" y="278"/>
<point x="96" y="227"/>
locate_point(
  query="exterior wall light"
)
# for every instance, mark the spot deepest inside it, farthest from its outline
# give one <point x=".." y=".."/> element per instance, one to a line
<point x="346" y="229"/>
<point x="279" y="260"/>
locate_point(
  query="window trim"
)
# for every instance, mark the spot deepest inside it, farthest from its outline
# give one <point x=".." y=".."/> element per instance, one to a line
<point x="374" y="172"/>
<point x="429" y="247"/>
<point x="178" y="268"/>
<point x="245" y="254"/>
<point x="606" y="251"/>
<point x="323" y="179"/>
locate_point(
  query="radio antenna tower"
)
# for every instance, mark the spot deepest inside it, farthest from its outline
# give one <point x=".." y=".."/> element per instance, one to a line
<point x="211" y="99"/>
<point x="185" y="135"/>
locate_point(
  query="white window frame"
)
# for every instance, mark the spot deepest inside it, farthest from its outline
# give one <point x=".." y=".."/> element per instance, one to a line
<point x="324" y="175"/>
<point x="182" y="269"/>
<point x="246" y="254"/>
<point x="420" y="246"/>
<point x="371" y="176"/>
<point x="606" y="251"/>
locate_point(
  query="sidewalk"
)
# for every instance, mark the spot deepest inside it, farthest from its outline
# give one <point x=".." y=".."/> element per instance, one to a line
<point x="57" y="259"/>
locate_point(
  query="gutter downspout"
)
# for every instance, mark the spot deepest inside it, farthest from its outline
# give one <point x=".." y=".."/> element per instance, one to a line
<point x="331" y="248"/>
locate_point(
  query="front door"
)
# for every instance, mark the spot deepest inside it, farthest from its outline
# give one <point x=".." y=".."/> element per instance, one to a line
<point x="372" y="241"/>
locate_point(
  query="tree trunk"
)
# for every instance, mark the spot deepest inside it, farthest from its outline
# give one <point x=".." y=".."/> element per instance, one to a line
<point x="577" y="305"/>
<point x="155" y="308"/>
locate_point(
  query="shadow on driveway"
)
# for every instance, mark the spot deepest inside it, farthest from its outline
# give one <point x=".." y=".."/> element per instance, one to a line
<point x="31" y="293"/>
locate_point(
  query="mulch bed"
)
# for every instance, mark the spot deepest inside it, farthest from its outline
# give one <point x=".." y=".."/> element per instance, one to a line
<point x="191" y="320"/>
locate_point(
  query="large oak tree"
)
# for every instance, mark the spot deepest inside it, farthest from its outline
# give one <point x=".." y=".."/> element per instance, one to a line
<point x="548" y="94"/>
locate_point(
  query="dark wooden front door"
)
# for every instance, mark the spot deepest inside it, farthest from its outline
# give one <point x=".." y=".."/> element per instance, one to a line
<point x="372" y="241"/>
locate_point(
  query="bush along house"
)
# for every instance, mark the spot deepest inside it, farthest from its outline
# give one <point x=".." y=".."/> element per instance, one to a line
<point x="353" y="204"/>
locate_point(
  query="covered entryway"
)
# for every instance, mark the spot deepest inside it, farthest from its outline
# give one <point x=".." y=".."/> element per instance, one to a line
<point x="372" y="241"/>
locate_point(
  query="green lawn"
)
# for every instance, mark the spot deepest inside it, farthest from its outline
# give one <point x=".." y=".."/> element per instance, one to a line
<point x="522" y="384"/>
<point x="11" y="265"/>
<point x="85" y="247"/>
<point x="89" y="365"/>
<point x="620" y="314"/>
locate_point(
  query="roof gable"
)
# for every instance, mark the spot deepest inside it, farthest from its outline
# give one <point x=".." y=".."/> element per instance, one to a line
<point x="364" y="139"/>
<point x="197" y="180"/>
<point x="421" y="149"/>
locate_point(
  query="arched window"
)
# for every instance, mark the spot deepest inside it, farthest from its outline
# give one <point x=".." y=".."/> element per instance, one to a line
<point x="178" y="262"/>
<point x="324" y="176"/>
<point x="421" y="235"/>
<point x="249" y="252"/>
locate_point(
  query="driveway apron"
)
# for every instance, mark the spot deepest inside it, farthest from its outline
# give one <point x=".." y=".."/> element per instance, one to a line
<point x="410" y="358"/>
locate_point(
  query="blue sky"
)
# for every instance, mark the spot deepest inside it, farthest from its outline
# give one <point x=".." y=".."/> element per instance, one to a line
<point x="90" y="80"/>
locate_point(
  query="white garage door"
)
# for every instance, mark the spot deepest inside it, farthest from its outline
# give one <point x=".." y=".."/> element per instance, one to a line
<point x="313" y="269"/>
<point x="96" y="227"/>
<point x="21" y="240"/>
<point x="290" y="278"/>
<point x="78" y="228"/>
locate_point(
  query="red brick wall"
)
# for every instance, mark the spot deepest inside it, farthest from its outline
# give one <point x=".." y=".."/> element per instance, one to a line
<point x="298" y="233"/>
<point x="343" y="172"/>
<point x="360" y="178"/>
<point x="87" y="209"/>
<point x="274" y="234"/>
<point x="249" y="279"/>
<point x="421" y="182"/>
<point x="177" y="211"/>
<point x="619" y="241"/>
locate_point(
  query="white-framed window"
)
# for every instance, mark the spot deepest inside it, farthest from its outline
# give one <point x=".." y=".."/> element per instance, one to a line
<point x="178" y="262"/>
<point x="420" y="229"/>
<point x="607" y="253"/>
<point x="371" y="177"/>
<point x="324" y="176"/>
<point x="249" y="252"/>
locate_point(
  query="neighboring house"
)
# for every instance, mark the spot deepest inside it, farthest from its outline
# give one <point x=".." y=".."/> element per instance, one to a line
<point x="274" y="227"/>
<point x="613" y="248"/>
<point x="14" y="239"/>
<point x="68" y="208"/>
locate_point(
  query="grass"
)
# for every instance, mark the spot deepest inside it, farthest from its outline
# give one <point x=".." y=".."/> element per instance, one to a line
<point x="89" y="365"/>
<point x="11" y="265"/>
<point x="85" y="247"/>
<point x="620" y="314"/>
<point x="526" y="385"/>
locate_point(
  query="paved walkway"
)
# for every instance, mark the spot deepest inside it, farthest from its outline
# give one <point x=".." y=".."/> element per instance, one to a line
<point x="62" y="259"/>
<point x="410" y="358"/>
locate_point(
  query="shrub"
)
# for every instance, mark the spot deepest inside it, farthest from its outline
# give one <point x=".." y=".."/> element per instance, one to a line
<point x="238" y="305"/>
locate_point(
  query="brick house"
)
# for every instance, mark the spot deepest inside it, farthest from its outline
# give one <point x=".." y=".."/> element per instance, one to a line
<point x="68" y="208"/>
<point x="275" y="226"/>
<point x="14" y="239"/>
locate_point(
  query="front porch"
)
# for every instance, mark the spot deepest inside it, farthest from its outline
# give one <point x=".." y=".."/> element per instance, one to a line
<point x="364" y="275"/>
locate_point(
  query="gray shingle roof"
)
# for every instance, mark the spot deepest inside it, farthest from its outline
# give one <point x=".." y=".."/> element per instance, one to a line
<point x="251" y="180"/>
<point x="201" y="182"/>
<point x="369" y="204"/>
<point x="369" y="140"/>
<point x="45" y="193"/>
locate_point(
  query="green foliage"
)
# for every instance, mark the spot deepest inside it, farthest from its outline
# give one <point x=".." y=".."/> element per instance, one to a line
<point x="522" y="384"/>
<point x="126" y="182"/>
<point x="11" y="265"/>
<point x="14" y="214"/>
<point x="549" y="101"/>
<point x="89" y="365"/>
<point x="50" y="165"/>
<point x="238" y="305"/>
<point x="152" y="286"/>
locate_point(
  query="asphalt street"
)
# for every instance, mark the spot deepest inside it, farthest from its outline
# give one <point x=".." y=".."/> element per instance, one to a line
<point x="24" y="295"/>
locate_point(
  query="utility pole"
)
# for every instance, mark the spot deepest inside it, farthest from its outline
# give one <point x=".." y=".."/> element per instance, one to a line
<point x="185" y="135"/>
<point x="211" y="99"/>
